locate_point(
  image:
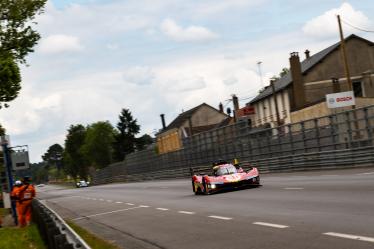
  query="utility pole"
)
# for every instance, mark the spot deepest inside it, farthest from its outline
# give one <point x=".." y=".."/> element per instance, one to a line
<point x="8" y="166"/>
<point x="275" y="101"/>
<point x="344" y="55"/>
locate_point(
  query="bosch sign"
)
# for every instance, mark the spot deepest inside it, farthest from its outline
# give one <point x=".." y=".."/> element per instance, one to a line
<point x="340" y="99"/>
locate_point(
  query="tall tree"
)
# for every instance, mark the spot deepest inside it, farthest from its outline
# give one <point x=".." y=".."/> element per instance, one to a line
<point x="125" y="141"/>
<point x="53" y="156"/>
<point x="98" y="143"/>
<point x="74" y="161"/>
<point x="17" y="39"/>
<point x="17" y="36"/>
<point x="10" y="80"/>
<point x="143" y="141"/>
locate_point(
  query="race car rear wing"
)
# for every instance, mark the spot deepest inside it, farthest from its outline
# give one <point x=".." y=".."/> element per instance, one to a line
<point x="208" y="170"/>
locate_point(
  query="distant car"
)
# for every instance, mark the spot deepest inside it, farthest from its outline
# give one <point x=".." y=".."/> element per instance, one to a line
<point x="224" y="176"/>
<point x="40" y="185"/>
<point x="82" y="184"/>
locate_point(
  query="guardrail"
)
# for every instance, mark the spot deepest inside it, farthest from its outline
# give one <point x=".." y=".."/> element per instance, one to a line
<point x="54" y="231"/>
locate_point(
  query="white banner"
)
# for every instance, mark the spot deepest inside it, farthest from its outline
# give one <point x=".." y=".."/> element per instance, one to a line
<point x="341" y="99"/>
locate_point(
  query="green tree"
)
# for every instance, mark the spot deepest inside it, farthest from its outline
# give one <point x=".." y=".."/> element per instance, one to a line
<point x="125" y="141"/>
<point x="53" y="156"/>
<point x="10" y="80"/>
<point x="98" y="143"/>
<point x="73" y="158"/>
<point x="143" y="141"/>
<point x="281" y="74"/>
<point x="17" y="36"/>
<point x="17" y="39"/>
<point x="2" y="130"/>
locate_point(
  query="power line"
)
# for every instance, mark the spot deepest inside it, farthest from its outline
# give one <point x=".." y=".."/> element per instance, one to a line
<point x="355" y="27"/>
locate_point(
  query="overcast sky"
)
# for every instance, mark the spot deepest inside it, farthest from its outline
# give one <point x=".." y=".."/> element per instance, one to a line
<point x="161" y="56"/>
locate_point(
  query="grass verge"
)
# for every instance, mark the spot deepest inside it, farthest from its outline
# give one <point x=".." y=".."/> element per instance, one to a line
<point x="93" y="241"/>
<point x="14" y="237"/>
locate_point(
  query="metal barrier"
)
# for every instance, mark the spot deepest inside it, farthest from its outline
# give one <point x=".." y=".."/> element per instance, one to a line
<point x="340" y="140"/>
<point x="54" y="231"/>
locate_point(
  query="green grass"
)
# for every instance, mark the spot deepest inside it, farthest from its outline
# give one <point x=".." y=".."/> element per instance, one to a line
<point x="4" y="211"/>
<point x="90" y="239"/>
<point x="25" y="238"/>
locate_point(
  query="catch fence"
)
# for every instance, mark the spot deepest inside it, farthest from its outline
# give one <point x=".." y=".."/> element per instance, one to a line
<point x="341" y="140"/>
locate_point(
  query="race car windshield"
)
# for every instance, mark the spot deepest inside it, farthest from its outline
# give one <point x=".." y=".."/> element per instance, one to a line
<point x="226" y="170"/>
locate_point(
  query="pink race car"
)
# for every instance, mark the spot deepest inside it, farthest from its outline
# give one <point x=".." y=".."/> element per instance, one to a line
<point x="224" y="176"/>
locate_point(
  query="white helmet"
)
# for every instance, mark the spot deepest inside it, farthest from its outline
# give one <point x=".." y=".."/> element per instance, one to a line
<point x="18" y="183"/>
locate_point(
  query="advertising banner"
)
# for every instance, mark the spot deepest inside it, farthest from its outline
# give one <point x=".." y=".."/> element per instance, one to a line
<point x="341" y="99"/>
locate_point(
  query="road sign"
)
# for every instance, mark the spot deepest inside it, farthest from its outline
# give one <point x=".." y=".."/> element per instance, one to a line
<point x="20" y="160"/>
<point x="341" y="99"/>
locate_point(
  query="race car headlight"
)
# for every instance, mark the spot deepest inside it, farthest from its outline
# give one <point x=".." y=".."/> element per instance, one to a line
<point x="212" y="186"/>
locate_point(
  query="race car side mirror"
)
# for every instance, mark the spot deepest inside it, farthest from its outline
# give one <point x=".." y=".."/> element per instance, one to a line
<point x="240" y="170"/>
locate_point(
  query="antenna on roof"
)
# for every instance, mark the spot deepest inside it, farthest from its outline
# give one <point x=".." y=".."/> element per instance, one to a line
<point x="260" y="72"/>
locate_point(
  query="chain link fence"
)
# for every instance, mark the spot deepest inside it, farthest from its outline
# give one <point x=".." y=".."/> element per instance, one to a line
<point x="341" y="140"/>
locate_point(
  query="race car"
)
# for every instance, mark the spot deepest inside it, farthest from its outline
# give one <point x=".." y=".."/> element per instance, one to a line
<point x="224" y="176"/>
<point x="82" y="183"/>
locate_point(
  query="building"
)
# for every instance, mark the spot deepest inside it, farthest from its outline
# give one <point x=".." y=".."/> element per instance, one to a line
<point x="198" y="119"/>
<point x="300" y="94"/>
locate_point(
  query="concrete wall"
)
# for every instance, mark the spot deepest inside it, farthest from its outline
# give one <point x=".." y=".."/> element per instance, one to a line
<point x="320" y="110"/>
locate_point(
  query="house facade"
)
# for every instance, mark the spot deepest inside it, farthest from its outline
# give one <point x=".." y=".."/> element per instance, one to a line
<point x="300" y="94"/>
<point x="198" y="119"/>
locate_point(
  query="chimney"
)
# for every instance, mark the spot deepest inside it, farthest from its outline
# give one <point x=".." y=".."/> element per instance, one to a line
<point x="298" y="91"/>
<point x="163" y="121"/>
<point x="228" y="110"/>
<point x="307" y="54"/>
<point x="220" y="107"/>
<point x="235" y="102"/>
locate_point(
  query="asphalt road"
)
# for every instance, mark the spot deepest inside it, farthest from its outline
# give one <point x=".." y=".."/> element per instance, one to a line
<point x="324" y="209"/>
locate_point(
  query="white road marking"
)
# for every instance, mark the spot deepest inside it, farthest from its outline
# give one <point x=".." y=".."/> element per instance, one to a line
<point x="367" y="173"/>
<point x="186" y="212"/>
<point x="101" y="199"/>
<point x="270" y="224"/>
<point x="162" y="209"/>
<point x="293" y="188"/>
<point x="109" y="200"/>
<point x="94" y="199"/>
<point x="130" y="204"/>
<point x="144" y="206"/>
<point x="330" y="175"/>
<point x="220" y="217"/>
<point x="350" y="236"/>
<point x="119" y="202"/>
<point x="111" y="212"/>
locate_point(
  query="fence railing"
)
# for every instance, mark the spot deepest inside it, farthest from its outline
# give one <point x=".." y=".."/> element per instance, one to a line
<point x="53" y="229"/>
<point x="340" y="140"/>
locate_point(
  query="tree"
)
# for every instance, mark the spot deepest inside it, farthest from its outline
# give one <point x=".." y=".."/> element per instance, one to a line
<point x="17" y="36"/>
<point x="2" y="130"/>
<point x="53" y="156"/>
<point x="74" y="161"/>
<point x="281" y="74"/>
<point x="98" y="143"/>
<point x="125" y="141"/>
<point x="17" y="39"/>
<point x="143" y="141"/>
<point x="10" y="80"/>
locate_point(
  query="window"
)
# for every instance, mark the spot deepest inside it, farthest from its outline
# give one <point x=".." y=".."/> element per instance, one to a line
<point x="357" y="88"/>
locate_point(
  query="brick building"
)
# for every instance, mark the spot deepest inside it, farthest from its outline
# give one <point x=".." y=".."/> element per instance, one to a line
<point x="300" y="94"/>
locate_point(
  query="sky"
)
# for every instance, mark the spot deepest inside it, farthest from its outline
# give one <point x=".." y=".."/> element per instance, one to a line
<point x="96" y="57"/>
